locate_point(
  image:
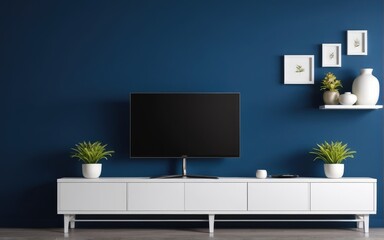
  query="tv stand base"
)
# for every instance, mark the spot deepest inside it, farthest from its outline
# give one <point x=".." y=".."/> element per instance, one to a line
<point x="362" y="221"/>
<point x="185" y="175"/>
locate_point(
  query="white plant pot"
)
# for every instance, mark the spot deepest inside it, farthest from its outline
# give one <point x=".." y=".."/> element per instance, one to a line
<point x="91" y="170"/>
<point x="334" y="170"/>
<point x="366" y="87"/>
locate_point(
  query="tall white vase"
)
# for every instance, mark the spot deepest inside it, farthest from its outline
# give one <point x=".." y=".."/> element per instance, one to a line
<point x="366" y="87"/>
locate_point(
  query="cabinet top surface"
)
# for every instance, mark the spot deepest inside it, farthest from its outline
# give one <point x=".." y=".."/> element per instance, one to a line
<point x="219" y="180"/>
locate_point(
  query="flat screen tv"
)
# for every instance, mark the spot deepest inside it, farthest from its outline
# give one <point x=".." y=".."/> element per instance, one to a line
<point x="185" y="125"/>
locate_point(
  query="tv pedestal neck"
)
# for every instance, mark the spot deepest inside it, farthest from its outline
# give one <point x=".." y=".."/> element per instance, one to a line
<point x="184" y="173"/>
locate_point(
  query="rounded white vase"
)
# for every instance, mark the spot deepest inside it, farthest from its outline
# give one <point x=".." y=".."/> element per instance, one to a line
<point x="347" y="98"/>
<point x="261" y="173"/>
<point x="366" y="87"/>
<point x="334" y="170"/>
<point x="92" y="170"/>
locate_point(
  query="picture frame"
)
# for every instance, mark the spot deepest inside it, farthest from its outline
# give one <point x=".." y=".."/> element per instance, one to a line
<point x="357" y="42"/>
<point x="331" y="55"/>
<point x="299" y="69"/>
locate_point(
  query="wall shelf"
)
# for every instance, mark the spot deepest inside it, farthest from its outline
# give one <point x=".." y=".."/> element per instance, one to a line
<point x="350" y="107"/>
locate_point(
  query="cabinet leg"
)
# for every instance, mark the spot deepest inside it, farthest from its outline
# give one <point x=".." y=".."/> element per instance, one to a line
<point x="72" y="221"/>
<point x="67" y="219"/>
<point x="211" y="218"/>
<point x="366" y="223"/>
<point x="359" y="224"/>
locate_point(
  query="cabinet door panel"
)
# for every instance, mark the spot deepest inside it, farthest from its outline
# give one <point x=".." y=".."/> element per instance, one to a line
<point x="92" y="196"/>
<point x="278" y="196"/>
<point x="343" y="196"/>
<point x="216" y="196"/>
<point x="155" y="196"/>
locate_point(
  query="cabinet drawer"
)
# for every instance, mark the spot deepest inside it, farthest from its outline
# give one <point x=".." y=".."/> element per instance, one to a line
<point x="278" y="196"/>
<point x="155" y="196"/>
<point x="216" y="196"/>
<point x="92" y="196"/>
<point x="343" y="196"/>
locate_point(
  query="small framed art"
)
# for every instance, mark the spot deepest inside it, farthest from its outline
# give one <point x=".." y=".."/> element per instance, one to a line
<point x="357" y="42"/>
<point x="331" y="55"/>
<point x="299" y="69"/>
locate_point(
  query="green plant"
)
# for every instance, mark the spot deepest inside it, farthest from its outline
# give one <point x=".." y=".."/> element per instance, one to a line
<point x="335" y="152"/>
<point x="90" y="152"/>
<point x="330" y="83"/>
<point x="299" y="69"/>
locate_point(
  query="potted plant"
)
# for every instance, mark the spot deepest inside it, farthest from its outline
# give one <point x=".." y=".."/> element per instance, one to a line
<point x="333" y="154"/>
<point x="91" y="154"/>
<point x="330" y="84"/>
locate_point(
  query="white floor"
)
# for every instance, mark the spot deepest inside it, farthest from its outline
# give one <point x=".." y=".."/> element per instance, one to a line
<point x="191" y="234"/>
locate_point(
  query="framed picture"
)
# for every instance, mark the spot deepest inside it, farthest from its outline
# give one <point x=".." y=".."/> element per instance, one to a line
<point x="357" y="42"/>
<point x="299" y="69"/>
<point x="331" y="55"/>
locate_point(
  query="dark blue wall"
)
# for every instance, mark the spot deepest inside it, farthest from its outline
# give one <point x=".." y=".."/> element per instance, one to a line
<point x="67" y="68"/>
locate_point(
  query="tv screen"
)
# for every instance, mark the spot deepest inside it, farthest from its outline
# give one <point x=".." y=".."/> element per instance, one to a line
<point x="185" y="125"/>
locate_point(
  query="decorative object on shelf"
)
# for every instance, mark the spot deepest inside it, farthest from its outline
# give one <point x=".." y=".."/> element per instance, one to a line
<point x="366" y="87"/>
<point x="333" y="154"/>
<point x="91" y="154"/>
<point x="347" y="98"/>
<point x="331" y="97"/>
<point x="331" y="55"/>
<point x="357" y="42"/>
<point x="261" y="173"/>
<point x="331" y="85"/>
<point x="299" y="69"/>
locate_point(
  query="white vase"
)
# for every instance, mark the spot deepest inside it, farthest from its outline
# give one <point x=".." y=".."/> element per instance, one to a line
<point x="331" y="97"/>
<point x="261" y="173"/>
<point x="334" y="170"/>
<point x="91" y="170"/>
<point x="366" y="87"/>
<point x="347" y="98"/>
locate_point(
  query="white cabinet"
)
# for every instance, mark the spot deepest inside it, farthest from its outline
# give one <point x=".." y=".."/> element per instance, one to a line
<point x="92" y="196"/>
<point x="240" y="196"/>
<point x="156" y="196"/>
<point x="279" y="196"/>
<point x="216" y="196"/>
<point x="343" y="196"/>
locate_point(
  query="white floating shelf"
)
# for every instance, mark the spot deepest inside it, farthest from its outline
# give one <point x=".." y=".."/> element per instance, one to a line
<point x="349" y="107"/>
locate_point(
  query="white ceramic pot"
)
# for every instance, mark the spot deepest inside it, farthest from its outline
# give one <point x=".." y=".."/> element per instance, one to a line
<point x="91" y="170"/>
<point x="331" y="97"/>
<point x="347" y="98"/>
<point x="261" y="173"/>
<point x="334" y="170"/>
<point x="366" y="87"/>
